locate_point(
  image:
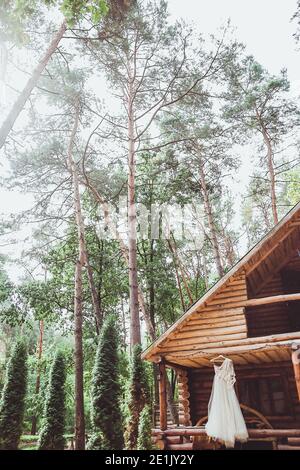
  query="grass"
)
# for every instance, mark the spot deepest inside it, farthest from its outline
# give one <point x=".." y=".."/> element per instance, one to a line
<point x="28" y="448"/>
<point x="28" y="438"/>
<point x="29" y="442"/>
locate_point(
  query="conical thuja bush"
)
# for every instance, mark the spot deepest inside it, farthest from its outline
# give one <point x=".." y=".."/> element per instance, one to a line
<point x="13" y="398"/>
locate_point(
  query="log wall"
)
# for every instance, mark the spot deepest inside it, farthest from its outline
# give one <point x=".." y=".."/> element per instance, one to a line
<point x="222" y="319"/>
<point x="268" y="319"/>
<point x="200" y="385"/>
<point x="183" y="398"/>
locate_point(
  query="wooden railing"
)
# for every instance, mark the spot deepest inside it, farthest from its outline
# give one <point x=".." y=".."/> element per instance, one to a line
<point x="198" y="431"/>
<point x="187" y="438"/>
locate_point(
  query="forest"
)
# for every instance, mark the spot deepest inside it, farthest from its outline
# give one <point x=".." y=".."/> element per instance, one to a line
<point x="126" y="137"/>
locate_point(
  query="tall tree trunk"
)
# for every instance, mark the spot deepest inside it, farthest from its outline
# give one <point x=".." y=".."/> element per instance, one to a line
<point x="124" y="251"/>
<point x="211" y="223"/>
<point x="205" y="271"/>
<point x="78" y="356"/>
<point x="151" y="286"/>
<point x="177" y="277"/>
<point x="95" y="298"/>
<point x="152" y="316"/>
<point x="32" y="82"/>
<point x="229" y="249"/>
<point x="79" y="385"/>
<point x="135" y="330"/>
<point x="82" y="261"/>
<point x="81" y="231"/>
<point x="178" y="263"/>
<point x="271" y="174"/>
<point x="38" y="375"/>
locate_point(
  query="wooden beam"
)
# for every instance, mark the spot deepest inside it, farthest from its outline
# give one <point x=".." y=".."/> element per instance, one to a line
<point x="280" y="340"/>
<point x="281" y="261"/>
<point x="268" y="251"/>
<point x="296" y="366"/>
<point x="162" y="396"/>
<point x="271" y="300"/>
<point x="253" y="433"/>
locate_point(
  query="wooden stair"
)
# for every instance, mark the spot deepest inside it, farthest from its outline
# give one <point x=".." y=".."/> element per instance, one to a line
<point x="179" y="443"/>
<point x="185" y="443"/>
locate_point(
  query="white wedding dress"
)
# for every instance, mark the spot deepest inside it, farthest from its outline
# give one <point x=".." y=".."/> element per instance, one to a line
<point x="225" y="423"/>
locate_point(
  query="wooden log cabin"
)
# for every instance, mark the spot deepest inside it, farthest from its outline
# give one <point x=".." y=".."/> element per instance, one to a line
<point x="252" y="316"/>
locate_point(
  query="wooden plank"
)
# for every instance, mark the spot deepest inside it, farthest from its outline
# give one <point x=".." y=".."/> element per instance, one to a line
<point x="254" y="433"/>
<point x="230" y="299"/>
<point x="226" y="305"/>
<point x="232" y="290"/>
<point x="272" y="300"/>
<point x="212" y="332"/>
<point x="239" y="359"/>
<point x="197" y="325"/>
<point x="186" y="362"/>
<point x="162" y="396"/>
<point x="204" y="314"/>
<point x="203" y="341"/>
<point x="249" y="344"/>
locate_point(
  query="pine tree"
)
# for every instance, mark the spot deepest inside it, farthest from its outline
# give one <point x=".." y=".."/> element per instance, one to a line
<point x="105" y="412"/>
<point x="144" y="433"/>
<point x="13" y="398"/>
<point x="51" y="436"/>
<point x="139" y="396"/>
<point x="258" y="104"/>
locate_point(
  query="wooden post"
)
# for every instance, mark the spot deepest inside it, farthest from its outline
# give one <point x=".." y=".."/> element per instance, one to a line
<point x="296" y="365"/>
<point x="162" y="396"/>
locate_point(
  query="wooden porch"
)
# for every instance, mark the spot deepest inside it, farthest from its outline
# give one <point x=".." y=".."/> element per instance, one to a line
<point x="280" y="432"/>
<point x="194" y="438"/>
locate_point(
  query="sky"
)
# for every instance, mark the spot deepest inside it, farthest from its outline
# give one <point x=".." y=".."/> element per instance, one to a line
<point x="264" y="26"/>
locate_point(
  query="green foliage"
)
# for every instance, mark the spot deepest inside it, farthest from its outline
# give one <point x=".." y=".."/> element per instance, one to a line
<point x="139" y="396"/>
<point x="257" y="101"/>
<point x="13" y="398"/>
<point x="12" y="312"/>
<point x="5" y="284"/>
<point x="36" y="296"/>
<point x="52" y="432"/>
<point x="293" y="187"/>
<point x="74" y="10"/>
<point x="15" y="15"/>
<point x="107" y="429"/>
<point x="144" y="441"/>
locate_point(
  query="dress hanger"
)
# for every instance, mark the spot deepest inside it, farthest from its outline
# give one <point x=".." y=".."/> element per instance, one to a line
<point x="219" y="358"/>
